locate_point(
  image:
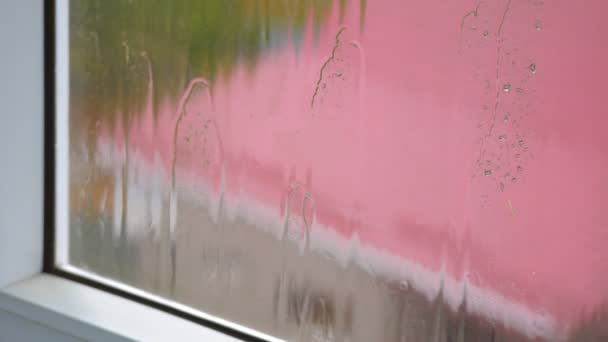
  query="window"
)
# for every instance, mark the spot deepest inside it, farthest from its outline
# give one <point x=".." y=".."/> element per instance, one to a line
<point x="338" y="170"/>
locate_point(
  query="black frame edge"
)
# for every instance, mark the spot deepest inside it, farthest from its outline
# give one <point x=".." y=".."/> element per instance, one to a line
<point x="48" y="262"/>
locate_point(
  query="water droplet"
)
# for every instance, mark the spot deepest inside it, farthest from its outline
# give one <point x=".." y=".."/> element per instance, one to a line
<point x="538" y="24"/>
<point x="520" y="168"/>
<point x="521" y="142"/>
<point x="517" y="155"/>
<point x="485" y="33"/>
<point x="532" y="68"/>
<point x="506" y="87"/>
<point x="502" y="137"/>
<point x="487" y="172"/>
<point x="506" y="118"/>
<point x="513" y="180"/>
<point x="502" y="187"/>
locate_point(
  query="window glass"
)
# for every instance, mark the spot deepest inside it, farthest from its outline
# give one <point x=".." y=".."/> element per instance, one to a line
<point x="352" y="170"/>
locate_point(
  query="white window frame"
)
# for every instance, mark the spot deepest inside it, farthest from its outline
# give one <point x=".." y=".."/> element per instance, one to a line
<point x="26" y="291"/>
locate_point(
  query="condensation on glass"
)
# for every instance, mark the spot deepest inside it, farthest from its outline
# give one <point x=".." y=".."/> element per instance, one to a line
<point x="387" y="170"/>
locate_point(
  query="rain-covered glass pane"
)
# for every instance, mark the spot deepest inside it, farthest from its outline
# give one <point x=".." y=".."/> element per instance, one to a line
<point x="348" y="170"/>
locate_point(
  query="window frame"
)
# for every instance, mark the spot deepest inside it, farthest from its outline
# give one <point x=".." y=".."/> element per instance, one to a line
<point x="78" y="304"/>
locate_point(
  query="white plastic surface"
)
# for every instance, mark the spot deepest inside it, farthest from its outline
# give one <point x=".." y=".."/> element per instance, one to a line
<point x="21" y="134"/>
<point x="94" y="315"/>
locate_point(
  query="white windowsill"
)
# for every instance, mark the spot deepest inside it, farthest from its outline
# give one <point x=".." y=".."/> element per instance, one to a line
<point x="94" y="315"/>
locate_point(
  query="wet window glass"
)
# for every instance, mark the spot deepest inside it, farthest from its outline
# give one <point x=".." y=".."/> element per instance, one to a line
<point x="348" y="170"/>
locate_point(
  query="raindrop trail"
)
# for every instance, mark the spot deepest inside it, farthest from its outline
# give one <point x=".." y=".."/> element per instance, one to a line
<point x="281" y="290"/>
<point x="333" y="53"/>
<point x="497" y="79"/>
<point x="474" y="13"/>
<point x="504" y="16"/>
<point x="307" y="197"/>
<point x="181" y="109"/>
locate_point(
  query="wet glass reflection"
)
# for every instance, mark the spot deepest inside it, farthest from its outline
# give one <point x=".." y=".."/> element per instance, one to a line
<point x="349" y="170"/>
